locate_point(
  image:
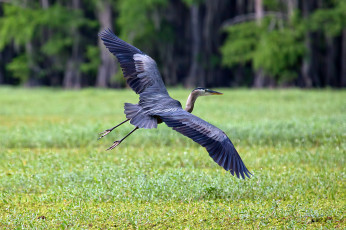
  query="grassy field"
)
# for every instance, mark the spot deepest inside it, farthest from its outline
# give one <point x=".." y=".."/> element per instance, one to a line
<point x="55" y="174"/>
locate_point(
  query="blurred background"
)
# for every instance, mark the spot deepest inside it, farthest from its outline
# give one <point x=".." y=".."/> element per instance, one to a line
<point x="207" y="43"/>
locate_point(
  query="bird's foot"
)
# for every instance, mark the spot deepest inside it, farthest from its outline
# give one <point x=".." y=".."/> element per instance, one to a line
<point x="115" y="144"/>
<point x="104" y="133"/>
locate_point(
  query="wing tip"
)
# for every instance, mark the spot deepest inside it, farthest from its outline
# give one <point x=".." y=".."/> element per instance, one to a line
<point x="105" y="32"/>
<point x="242" y="170"/>
<point x="236" y="168"/>
<point x="236" y="165"/>
<point x="245" y="174"/>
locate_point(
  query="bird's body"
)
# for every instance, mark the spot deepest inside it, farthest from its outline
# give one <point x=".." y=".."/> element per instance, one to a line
<point x="156" y="106"/>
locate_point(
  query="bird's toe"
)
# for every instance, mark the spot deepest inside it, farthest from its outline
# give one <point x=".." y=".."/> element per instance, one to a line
<point x="115" y="144"/>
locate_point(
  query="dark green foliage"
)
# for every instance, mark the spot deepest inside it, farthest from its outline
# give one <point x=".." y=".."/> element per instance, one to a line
<point x="92" y="64"/>
<point x="19" y="67"/>
<point x="137" y="18"/>
<point x="272" y="4"/>
<point x="277" y="46"/>
<point x="241" y="43"/>
<point x="143" y="24"/>
<point x="276" y="51"/>
<point x="330" y="21"/>
<point x="43" y="41"/>
<point x="23" y="26"/>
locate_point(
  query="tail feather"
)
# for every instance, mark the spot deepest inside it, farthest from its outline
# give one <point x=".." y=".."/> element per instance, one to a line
<point x="131" y="110"/>
<point x="138" y="118"/>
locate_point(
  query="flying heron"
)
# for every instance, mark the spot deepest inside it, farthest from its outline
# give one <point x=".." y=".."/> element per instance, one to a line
<point x="156" y="106"/>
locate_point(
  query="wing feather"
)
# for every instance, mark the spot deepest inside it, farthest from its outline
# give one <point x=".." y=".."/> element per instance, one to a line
<point x="140" y="70"/>
<point x="216" y="142"/>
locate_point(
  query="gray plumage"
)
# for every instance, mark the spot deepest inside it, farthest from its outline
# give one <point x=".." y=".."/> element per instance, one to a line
<point x="156" y="106"/>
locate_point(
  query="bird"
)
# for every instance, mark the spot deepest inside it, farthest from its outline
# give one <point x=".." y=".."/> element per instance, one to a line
<point x="155" y="106"/>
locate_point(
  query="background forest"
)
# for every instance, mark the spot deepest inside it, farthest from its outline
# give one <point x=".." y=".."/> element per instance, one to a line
<point x="213" y="43"/>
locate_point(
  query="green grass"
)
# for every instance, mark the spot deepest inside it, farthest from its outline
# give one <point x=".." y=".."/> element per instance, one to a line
<point x="55" y="174"/>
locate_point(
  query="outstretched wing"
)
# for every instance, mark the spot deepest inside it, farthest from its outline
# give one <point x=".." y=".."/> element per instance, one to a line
<point x="216" y="142"/>
<point x="140" y="70"/>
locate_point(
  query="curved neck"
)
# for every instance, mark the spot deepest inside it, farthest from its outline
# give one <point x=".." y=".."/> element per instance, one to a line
<point x="191" y="101"/>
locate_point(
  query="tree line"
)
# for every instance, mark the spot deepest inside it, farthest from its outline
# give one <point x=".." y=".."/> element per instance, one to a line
<point x="212" y="43"/>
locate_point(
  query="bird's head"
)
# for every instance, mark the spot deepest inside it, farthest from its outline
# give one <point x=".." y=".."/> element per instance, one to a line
<point x="205" y="92"/>
<point x="195" y="94"/>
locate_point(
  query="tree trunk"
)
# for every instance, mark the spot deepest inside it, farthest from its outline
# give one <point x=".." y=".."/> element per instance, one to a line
<point x="330" y="61"/>
<point x="52" y="76"/>
<point x="108" y="67"/>
<point x="44" y="4"/>
<point x="241" y="9"/>
<point x="169" y="70"/>
<point x="195" y="75"/>
<point x="72" y="76"/>
<point x="208" y="40"/>
<point x="343" y="60"/>
<point x="259" y="11"/>
<point x="33" y="68"/>
<point x="250" y="5"/>
<point x="308" y="68"/>
<point x="291" y="6"/>
<point x="174" y="53"/>
<point x="211" y="28"/>
<point x="259" y="80"/>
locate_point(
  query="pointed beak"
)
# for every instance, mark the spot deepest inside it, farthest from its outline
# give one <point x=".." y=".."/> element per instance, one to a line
<point x="212" y="92"/>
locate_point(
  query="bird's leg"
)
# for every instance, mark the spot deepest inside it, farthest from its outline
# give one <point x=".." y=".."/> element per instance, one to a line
<point x="104" y="133"/>
<point x="116" y="143"/>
